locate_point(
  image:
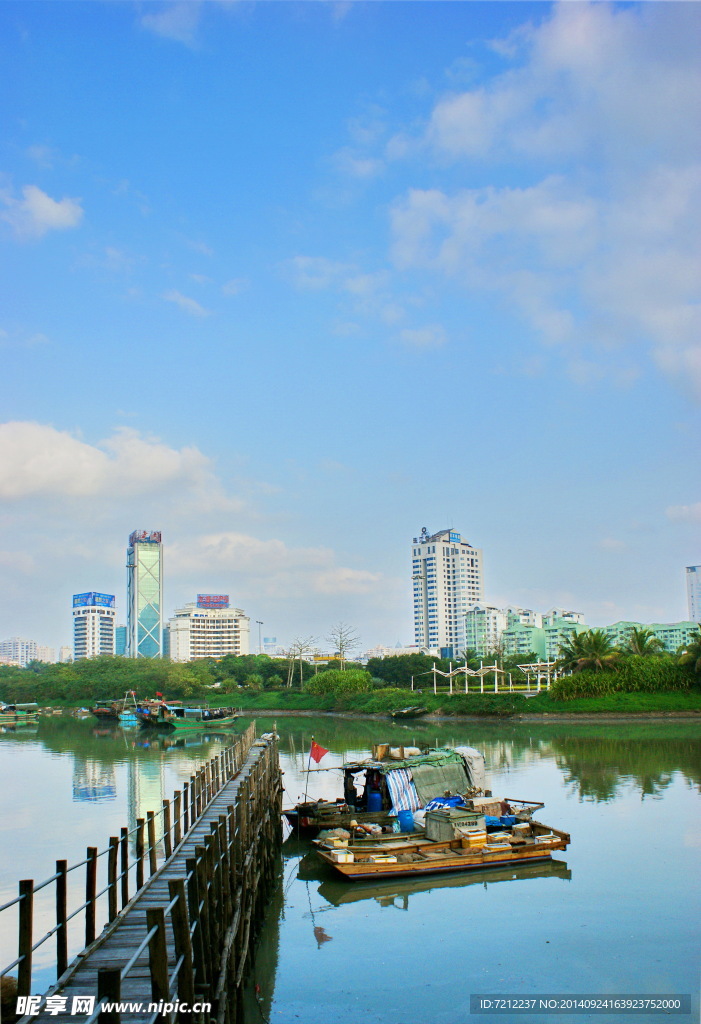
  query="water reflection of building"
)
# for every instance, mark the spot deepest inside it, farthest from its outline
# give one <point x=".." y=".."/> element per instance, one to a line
<point x="145" y="790"/>
<point x="93" y="781"/>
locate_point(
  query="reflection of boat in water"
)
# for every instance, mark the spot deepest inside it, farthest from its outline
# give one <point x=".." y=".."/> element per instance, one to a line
<point x="388" y="892"/>
<point x="174" y="716"/>
<point x="153" y="740"/>
<point x="19" y="714"/>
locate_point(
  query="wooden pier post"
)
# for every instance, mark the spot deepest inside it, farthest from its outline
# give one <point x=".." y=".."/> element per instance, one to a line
<point x="112" y="877"/>
<point x="193" y="905"/>
<point x="151" y="830"/>
<point x="109" y="987"/>
<point x="61" y="915"/>
<point x="139" y="853"/>
<point x="158" y="956"/>
<point x="181" y="938"/>
<point x="124" y="865"/>
<point x="167" y="843"/>
<point x="90" y="890"/>
<point x="26" y="917"/>
<point x="177" y="811"/>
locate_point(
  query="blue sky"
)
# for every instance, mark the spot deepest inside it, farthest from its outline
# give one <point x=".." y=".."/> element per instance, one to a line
<point x="291" y="281"/>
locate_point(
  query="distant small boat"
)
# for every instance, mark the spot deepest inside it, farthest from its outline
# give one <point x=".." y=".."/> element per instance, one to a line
<point x="411" y="712"/>
<point x="19" y="714"/>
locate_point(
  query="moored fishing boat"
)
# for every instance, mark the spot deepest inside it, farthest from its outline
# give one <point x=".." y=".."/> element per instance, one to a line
<point x="395" y="778"/>
<point x="19" y="714"/>
<point x="172" y="715"/>
<point x="411" y="712"/>
<point x="465" y="852"/>
<point x="106" y="710"/>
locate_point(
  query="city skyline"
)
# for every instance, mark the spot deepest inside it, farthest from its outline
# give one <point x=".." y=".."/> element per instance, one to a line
<point x="454" y="286"/>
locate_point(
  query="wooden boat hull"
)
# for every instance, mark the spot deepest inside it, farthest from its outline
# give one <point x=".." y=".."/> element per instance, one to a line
<point x="180" y="724"/>
<point x="415" y="712"/>
<point x="105" y="714"/>
<point x="440" y="858"/>
<point x="12" y="719"/>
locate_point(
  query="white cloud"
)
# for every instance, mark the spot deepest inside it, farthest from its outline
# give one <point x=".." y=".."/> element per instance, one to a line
<point x="45" y="156"/>
<point x="191" y="306"/>
<point x="612" y="544"/>
<point x="37" y="213"/>
<point x="235" y="286"/>
<point x="270" y="565"/>
<point x="357" y="165"/>
<point x="684" y="513"/>
<point x="177" y="21"/>
<point x="314" y="272"/>
<point x="432" y="336"/>
<point x="37" y="460"/>
<point x="603" y="251"/>
<point x="21" y="339"/>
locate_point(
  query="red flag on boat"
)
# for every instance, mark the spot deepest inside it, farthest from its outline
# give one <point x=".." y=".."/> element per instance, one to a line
<point x="159" y="694"/>
<point x="317" y="751"/>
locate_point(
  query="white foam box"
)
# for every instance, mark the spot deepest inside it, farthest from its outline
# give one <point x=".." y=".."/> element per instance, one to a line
<point x="342" y="856"/>
<point x="382" y="858"/>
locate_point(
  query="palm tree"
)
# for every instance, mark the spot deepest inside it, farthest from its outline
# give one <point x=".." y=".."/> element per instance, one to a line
<point x="691" y="653"/>
<point x="642" y="641"/>
<point x="592" y="649"/>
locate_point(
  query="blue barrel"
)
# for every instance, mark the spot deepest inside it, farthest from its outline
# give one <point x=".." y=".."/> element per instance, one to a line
<point x="406" y="821"/>
<point x="374" y="800"/>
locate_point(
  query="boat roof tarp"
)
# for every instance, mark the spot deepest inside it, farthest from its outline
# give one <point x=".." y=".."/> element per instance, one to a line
<point x="434" y="774"/>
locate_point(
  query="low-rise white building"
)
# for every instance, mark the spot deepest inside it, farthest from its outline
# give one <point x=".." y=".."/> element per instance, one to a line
<point x="393" y="652"/>
<point x="208" y="628"/>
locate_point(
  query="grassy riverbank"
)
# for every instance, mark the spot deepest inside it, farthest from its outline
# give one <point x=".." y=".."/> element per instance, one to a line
<point x="500" y="705"/>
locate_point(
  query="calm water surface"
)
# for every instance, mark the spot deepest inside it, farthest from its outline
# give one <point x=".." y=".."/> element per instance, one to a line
<point x="617" y="912"/>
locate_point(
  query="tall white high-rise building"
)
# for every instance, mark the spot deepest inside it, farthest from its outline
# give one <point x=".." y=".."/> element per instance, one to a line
<point x="145" y="594"/>
<point x="447" y="578"/>
<point x="693" y="592"/>
<point x="93" y="625"/>
<point x="208" y="628"/>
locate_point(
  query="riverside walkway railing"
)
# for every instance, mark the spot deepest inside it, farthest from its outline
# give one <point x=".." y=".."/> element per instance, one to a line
<point x="200" y="908"/>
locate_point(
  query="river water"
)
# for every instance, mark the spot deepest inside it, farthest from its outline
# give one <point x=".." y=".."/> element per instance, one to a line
<point x="616" y="914"/>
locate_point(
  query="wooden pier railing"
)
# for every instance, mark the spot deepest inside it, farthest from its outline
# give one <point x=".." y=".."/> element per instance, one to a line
<point x="220" y="836"/>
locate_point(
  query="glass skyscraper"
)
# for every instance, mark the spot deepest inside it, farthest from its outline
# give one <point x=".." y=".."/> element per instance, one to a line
<point x="145" y="595"/>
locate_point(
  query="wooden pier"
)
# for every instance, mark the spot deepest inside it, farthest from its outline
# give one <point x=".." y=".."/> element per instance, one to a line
<point x="184" y="941"/>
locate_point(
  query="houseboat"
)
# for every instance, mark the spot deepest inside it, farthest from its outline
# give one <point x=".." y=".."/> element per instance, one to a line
<point x="394" y="779"/>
